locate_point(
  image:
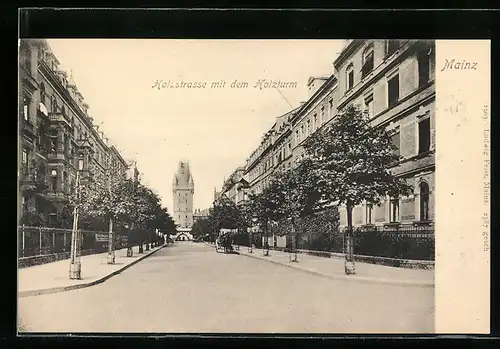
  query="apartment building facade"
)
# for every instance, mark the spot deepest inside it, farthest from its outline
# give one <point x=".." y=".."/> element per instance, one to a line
<point x="235" y="187"/>
<point x="394" y="82"/>
<point x="57" y="136"/>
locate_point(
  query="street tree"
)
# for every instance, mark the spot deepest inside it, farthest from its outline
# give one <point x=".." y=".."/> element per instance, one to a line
<point x="294" y="194"/>
<point x="164" y="222"/>
<point x="264" y="206"/>
<point x="352" y="162"/>
<point x="224" y="214"/>
<point x="200" y="228"/>
<point x="107" y="202"/>
<point x="145" y="203"/>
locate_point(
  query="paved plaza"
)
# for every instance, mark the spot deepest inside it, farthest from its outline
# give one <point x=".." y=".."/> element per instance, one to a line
<point x="189" y="288"/>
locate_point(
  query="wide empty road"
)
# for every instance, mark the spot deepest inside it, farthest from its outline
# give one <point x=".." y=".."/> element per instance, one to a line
<point x="190" y="288"/>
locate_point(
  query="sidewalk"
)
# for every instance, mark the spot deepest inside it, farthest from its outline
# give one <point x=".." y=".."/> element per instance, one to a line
<point x="54" y="277"/>
<point x="334" y="268"/>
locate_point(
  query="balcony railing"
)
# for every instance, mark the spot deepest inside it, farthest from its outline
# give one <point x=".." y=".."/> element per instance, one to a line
<point x="58" y="117"/>
<point x="57" y="156"/>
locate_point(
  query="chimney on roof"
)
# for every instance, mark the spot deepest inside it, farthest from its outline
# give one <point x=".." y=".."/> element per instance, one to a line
<point x="314" y="83"/>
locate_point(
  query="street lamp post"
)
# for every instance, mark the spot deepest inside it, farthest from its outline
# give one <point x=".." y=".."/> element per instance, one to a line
<point x="75" y="267"/>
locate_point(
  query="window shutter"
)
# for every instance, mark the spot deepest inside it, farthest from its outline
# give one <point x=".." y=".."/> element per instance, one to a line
<point x="379" y="96"/>
<point x="408" y="140"/>
<point x="408" y="76"/>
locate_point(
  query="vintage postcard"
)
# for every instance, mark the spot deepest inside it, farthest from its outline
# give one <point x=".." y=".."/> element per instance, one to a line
<point x="254" y="186"/>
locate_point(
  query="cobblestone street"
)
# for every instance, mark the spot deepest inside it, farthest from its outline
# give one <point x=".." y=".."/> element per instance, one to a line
<point x="190" y="288"/>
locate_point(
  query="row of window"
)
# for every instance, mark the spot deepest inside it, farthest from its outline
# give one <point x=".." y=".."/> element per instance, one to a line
<point x="393" y="81"/>
<point x="311" y="124"/>
<point x="368" y="61"/>
<point x="394" y="217"/>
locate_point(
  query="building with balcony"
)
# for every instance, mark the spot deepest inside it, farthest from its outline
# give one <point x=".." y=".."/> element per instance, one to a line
<point x="57" y="135"/>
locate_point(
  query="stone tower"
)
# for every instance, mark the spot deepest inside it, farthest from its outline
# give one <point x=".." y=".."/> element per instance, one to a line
<point x="183" y="191"/>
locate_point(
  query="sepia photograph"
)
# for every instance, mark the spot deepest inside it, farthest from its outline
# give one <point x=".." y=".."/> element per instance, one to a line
<point x="227" y="186"/>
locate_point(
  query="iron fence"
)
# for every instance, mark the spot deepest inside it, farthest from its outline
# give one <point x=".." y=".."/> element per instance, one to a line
<point x="392" y="241"/>
<point x="42" y="241"/>
<point x="401" y="242"/>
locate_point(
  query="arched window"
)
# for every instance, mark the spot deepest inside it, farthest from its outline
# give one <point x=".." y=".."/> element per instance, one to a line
<point x="350" y="76"/>
<point x="63" y="110"/>
<point x="424" y="201"/>
<point x="367" y="61"/>
<point x="42" y="94"/>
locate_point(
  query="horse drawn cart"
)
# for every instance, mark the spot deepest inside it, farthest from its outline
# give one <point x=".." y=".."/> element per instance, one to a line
<point x="224" y="241"/>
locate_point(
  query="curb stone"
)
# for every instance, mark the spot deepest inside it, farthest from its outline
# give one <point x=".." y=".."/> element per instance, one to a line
<point x="84" y="285"/>
<point x="360" y="279"/>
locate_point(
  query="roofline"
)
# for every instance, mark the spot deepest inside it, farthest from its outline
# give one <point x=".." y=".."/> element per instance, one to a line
<point x="348" y="50"/>
<point x="331" y="80"/>
<point x="113" y="148"/>
<point x="312" y="78"/>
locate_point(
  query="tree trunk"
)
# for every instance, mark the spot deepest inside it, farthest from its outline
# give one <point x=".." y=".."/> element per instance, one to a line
<point x="349" y="244"/>
<point x="111" y="247"/>
<point x="267" y="239"/>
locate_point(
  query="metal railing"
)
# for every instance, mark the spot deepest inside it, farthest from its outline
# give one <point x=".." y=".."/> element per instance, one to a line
<point x="394" y="241"/>
<point x="43" y="241"/>
<point x="403" y="242"/>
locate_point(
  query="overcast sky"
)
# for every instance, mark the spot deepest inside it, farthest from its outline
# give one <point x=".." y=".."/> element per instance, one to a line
<point x="215" y="129"/>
